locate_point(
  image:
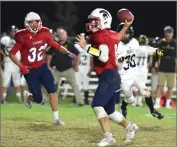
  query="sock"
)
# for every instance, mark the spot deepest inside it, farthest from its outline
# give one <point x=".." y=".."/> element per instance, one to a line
<point x="116" y="116"/>
<point x="139" y="100"/>
<point x="108" y="135"/>
<point x="157" y="102"/>
<point x="124" y="105"/>
<point x="86" y="92"/>
<point x="4" y="95"/>
<point x="55" y="115"/>
<point x="168" y="102"/>
<point x="149" y="102"/>
<point x="129" y="124"/>
<point x="18" y="94"/>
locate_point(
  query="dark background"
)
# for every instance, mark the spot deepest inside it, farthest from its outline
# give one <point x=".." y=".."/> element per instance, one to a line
<point x="150" y="17"/>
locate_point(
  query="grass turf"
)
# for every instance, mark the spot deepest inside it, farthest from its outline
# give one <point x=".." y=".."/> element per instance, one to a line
<point x="21" y="126"/>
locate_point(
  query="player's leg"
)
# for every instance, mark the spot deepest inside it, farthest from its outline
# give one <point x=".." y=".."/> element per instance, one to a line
<point x="171" y="82"/>
<point x="161" y="83"/>
<point x="47" y="80"/>
<point x="127" y="90"/>
<point x="148" y="98"/>
<point x="34" y="85"/>
<point x="16" y="81"/>
<point x="108" y="84"/>
<point x="70" y="76"/>
<point x="6" y="82"/>
<point x="118" y="118"/>
<point x="86" y="88"/>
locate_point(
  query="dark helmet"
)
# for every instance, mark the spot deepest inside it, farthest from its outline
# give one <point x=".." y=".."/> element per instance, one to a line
<point x="155" y="41"/>
<point x="168" y="29"/>
<point x="143" y="40"/>
<point x="129" y="31"/>
<point x="13" y="28"/>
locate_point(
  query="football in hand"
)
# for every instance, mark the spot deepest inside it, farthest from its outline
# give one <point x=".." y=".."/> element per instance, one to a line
<point x="124" y="14"/>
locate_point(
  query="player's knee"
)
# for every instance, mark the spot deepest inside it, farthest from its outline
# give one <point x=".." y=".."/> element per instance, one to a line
<point x="100" y="112"/>
<point x="16" y="83"/>
<point x="145" y="92"/>
<point x="37" y="96"/>
<point x="116" y="117"/>
<point x="129" y="99"/>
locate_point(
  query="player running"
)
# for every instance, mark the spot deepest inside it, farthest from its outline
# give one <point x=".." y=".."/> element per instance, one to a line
<point x="130" y="75"/>
<point x="103" y="47"/>
<point x="31" y="44"/>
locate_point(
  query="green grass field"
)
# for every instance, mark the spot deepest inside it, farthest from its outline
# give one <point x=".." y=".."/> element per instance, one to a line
<point x="21" y="126"/>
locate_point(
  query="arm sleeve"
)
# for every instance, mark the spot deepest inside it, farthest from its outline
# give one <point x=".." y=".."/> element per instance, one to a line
<point x="18" y="45"/>
<point x="53" y="44"/>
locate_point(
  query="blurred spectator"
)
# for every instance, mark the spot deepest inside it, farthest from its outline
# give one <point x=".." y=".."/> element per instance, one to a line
<point x="154" y="68"/>
<point x="10" y="69"/>
<point x="167" y="66"/>
<point x="2" y="57"/>
<point x="85" y="69"/>
<point x="64" y="64"/>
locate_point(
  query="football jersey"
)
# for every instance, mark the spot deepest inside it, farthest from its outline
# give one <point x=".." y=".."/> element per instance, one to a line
<point x="111" y="39"/>
<point x="9" y="43"/>
<point x="32" y="46"/>
<point x="84" y="65"/>
<point x="129" y="64"/>
<point x="142" y="57"/>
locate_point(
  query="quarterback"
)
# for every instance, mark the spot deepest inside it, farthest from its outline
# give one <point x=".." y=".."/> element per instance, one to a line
<point x="103" y="49"/>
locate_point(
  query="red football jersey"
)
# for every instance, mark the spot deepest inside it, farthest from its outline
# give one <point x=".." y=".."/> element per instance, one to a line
<point x="32" y="46"/>
<point x="111" y="39"/>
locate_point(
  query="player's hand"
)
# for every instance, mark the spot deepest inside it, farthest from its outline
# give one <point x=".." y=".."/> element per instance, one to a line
<point x="71" y="55"/>
<point x="89" y="73"/>
<point x="80" y="39"/>
<point x="76" y="68"/>
<point x="128" y="23"/>
<point x="24" y="69"/>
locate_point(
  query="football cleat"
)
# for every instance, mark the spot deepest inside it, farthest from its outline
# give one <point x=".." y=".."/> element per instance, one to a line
<point x="157" y="114"/>
<point x="28" y="103"/>
<point x="131" y="132"/>
<point x="107" y="141"/>
<point x="58" y="122"/>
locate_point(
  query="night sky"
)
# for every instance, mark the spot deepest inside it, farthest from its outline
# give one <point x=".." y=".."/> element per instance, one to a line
<point x="150" y="17"/>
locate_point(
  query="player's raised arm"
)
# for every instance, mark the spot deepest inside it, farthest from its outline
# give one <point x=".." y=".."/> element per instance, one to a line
<point x="125" y="27"/>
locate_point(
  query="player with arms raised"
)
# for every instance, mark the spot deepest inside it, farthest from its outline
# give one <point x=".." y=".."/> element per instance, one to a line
<point x="31" y="43"/>
<point x="103" y="47"/>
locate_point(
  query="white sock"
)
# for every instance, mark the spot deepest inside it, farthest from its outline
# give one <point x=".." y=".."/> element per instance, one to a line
<point x="108" y="135"/>
<point x="4" y="95"/>
<point x="18" y="94"/>
<point x="129" y="123"/>
<point x="168" y="102"/>
<point x="116" y="116"/>
<point x="157" y="101"/>
<point x="55" y="115"/>
<point x="140" y="99"/>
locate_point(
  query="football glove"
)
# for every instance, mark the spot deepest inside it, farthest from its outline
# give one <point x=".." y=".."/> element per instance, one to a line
<point x="160" y="52"/>
<point x="24" y="69"/>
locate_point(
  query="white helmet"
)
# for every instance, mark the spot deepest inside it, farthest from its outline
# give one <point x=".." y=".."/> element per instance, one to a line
<point x="32" y="17"/>
<point x="99" y="19"/>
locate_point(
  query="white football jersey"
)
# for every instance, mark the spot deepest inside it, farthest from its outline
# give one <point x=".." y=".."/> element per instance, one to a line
<point x="84" y="65"/>
<point x="9" y="43"/>
<point x="142" y="57"/>
<point x="129" y="64"/>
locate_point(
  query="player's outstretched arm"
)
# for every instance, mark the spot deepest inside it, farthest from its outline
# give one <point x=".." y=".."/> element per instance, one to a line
<point x="59" y="47"/>
<point x="126" y="26"/>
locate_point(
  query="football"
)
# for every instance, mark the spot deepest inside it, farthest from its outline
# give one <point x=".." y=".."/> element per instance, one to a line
<point x="124" y="14"/>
